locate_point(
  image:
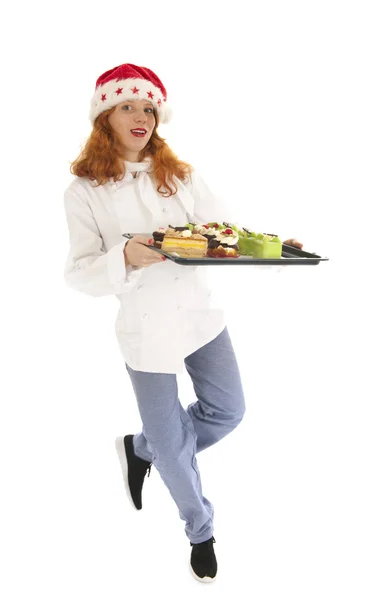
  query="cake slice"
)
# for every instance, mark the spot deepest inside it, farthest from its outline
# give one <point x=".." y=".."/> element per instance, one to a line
<point x="185" y="243"/>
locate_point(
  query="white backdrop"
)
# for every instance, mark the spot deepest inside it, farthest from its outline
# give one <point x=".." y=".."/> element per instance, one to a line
<point x="281" y="107"/>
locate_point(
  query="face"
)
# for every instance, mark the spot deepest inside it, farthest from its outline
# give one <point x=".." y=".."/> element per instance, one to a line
<point x="132" y="115"/>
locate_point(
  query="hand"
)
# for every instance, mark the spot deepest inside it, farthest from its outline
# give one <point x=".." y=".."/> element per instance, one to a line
<point x="293" y="242"/>
<point x="138" y="254"/>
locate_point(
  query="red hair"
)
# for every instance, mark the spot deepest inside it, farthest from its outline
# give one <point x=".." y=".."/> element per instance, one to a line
<point x="102" y="157"/>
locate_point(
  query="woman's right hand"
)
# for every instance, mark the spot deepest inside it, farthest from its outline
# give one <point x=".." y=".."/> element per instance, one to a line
<point x="138" y="254"/>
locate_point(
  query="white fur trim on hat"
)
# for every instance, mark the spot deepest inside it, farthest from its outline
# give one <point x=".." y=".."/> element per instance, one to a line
<point x="114" y="92"/>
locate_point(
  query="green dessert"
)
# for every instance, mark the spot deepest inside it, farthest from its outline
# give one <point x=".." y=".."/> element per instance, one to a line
<point x="259" y="245"/>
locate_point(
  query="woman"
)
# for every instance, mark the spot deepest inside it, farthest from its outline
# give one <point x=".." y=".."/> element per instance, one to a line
<point x="129" y="180"/>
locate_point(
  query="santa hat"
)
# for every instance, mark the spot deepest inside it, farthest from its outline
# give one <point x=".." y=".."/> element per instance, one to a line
<point x="129" y="82"/>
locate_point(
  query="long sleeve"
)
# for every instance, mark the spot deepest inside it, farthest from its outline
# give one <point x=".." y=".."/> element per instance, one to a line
<point x="208" y="207"/>
<point x="89" y="268"/>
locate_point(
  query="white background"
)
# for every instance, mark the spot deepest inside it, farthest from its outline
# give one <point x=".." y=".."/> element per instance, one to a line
<point x="282" y="108"/>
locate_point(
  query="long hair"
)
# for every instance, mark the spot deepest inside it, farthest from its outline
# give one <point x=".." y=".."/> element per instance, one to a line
<point x="102" y="156"/>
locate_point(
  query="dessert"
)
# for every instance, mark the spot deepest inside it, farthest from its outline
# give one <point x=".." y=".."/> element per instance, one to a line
<point x="158" y="236"/>
<point x="184" y="242"/>
<point x="224" y="244"/>
<point x="208" y="232"/>
<point x="217" y="240"/>
<point x="260" y="245"/>
<point x="222" y="239"/>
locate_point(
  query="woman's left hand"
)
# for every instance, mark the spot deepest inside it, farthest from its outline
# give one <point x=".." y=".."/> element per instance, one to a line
<point x="293" y="242"/>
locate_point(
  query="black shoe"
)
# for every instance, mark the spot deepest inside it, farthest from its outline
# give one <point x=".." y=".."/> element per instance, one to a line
<point x="203" y="561"/>
<point x="133" y="468"/>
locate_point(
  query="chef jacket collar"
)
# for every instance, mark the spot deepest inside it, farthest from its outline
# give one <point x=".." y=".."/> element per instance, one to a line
<point x="147" y="194"/>
<point x="132" y="167"/>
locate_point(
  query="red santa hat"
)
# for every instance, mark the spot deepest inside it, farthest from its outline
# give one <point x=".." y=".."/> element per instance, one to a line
<point x="129" y="82"/>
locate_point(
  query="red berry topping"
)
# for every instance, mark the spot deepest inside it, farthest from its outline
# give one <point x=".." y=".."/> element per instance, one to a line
<point x="228" y="231"/>
<point x="216" y="226"/>
<point x="206" y="226"/>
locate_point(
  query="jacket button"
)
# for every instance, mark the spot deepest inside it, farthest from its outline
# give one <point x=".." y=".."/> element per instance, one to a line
<point x="145" y="316"/>
<point x="178" y="307"/>
<point x="140" y="286"/>
<point x="165" y="210"/>
<point x="177" y="278"/>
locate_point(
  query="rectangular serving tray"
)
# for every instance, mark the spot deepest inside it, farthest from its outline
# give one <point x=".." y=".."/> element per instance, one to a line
<point x="290" y="256"/>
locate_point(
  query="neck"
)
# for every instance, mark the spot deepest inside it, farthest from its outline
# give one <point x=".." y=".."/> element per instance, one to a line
<point x="132" y="156"/>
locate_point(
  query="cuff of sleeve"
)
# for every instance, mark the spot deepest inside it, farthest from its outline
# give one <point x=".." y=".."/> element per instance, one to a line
<point x="117" y="271"/>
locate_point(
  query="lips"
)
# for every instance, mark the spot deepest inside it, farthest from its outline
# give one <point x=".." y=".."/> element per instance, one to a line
<point x="138" y="132"/>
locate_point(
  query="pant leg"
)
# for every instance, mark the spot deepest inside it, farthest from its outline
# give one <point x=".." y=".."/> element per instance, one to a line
<point x="217" y="383"/>
<point x="216" y="379"/>
<point x="168" y="440"/>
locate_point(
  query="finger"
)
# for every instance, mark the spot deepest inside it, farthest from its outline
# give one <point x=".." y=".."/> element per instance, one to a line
<point x="156" y="258"/>
<point x="293" y="242"/>
<point x="152" y="252"/>
<point x="141" y="239"/>
<point x="153" y="256"/>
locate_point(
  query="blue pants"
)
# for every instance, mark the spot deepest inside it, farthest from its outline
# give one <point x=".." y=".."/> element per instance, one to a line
<point x="172" y="436"/>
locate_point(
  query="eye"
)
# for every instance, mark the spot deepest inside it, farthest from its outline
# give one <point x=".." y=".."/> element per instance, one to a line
<point x="127" y="106"/>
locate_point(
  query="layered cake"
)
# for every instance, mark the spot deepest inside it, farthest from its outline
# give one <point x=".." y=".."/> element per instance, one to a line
<point x="184" y="242"/>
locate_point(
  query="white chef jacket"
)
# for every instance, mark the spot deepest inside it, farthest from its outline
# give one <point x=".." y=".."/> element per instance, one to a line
<point x="166" y="310"/>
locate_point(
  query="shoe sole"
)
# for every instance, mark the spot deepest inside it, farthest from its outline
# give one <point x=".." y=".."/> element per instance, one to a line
<point x="202" y="579"/>
<point x="120" y="448"/>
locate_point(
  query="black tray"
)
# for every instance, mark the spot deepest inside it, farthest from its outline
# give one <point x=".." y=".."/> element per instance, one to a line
<point x="290" y="256"/>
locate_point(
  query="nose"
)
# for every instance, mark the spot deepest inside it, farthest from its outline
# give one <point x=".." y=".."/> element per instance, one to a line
<point x="140" y="117"/>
